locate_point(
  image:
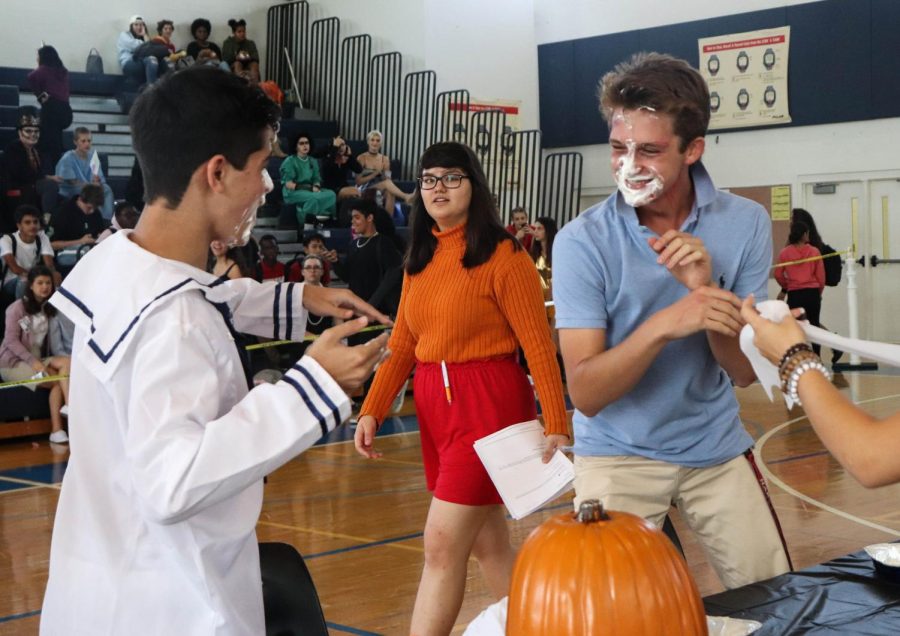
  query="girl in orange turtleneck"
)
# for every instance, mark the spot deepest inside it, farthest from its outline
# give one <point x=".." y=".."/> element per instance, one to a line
<point x="471" y="296"/>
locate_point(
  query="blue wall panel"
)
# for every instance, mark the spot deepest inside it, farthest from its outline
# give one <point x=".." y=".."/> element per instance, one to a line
<point x="844" y="64"/>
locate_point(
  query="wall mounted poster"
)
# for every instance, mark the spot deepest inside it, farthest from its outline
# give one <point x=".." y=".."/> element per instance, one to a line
<point x="747" y="78"/>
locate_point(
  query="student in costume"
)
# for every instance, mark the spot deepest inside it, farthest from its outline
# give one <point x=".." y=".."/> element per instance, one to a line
<point x="154" y="532"/>
<point x="471" y="297"/>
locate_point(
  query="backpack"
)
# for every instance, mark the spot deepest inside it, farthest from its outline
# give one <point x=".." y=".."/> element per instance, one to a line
<point x="94" y="64"/>
<point x="833" y="266"/>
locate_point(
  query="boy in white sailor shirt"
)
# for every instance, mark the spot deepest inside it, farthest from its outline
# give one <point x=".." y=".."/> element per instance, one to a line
<point x="154" y="532"/>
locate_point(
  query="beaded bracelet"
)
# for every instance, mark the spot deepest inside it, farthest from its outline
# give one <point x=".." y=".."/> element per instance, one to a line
<point x="790" y="361"/>
<point x="798" y="364"/>
<point x="800" y="346"/>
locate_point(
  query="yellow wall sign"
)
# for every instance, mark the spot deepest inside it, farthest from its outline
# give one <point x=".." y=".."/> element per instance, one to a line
<point x="781" y="203"/>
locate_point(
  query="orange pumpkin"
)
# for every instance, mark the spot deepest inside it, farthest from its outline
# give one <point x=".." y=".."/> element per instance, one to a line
<point x="597" y="572"/>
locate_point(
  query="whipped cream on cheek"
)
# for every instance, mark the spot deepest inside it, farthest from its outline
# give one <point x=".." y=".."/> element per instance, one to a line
<point x="638" y="186"/>
<point x="244" y="229"/>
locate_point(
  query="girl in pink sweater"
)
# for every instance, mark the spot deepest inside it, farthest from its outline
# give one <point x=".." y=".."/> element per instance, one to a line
<point x="25" y="350"/>
<point x="804" y="282"/>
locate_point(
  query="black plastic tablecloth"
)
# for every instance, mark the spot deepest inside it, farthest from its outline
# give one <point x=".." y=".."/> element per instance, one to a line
<point x="844" y="596"/>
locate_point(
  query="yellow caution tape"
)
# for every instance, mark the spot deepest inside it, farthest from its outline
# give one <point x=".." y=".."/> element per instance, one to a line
<point x="261" y="345"/>
<point x="810" y="259"/>
<point x="278" y="343"/>
<point x="49" y="378"/>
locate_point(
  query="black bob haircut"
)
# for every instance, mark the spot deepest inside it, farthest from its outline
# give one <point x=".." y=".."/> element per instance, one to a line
<point x="483" y="228"/>
<point x="182" y="121"/>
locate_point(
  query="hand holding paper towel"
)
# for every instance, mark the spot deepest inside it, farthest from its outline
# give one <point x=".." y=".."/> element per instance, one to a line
<point x="766" y="372"/>
<point x="776" y="310"/>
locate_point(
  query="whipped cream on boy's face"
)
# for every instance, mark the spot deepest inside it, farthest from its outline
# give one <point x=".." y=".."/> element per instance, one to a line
<point x="244" y="229"/>
<point x="645" y="154"/>
<point x="638" y="186"/>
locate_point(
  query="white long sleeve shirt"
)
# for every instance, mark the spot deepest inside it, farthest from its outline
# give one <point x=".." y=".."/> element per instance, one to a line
<point x="154" y="533"/>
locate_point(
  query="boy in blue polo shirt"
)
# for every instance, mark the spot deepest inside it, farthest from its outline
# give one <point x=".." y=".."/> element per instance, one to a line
<point x="647" y="286"/>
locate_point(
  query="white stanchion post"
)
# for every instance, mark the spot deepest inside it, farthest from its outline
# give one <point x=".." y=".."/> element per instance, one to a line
<point x="852" y="302"/>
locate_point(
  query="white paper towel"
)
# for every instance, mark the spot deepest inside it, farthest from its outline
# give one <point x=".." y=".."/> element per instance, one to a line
<point x="776" y="310"/>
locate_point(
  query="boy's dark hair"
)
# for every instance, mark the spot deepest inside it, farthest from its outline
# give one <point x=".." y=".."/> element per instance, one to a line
<point x="188" y="117"/>
<point x="32" y="306"/>
<point x="162" y="23"/>
<point x="366" y="207"/>
<point x="200" y="22"/>
<point x="309" y="238"/>
<point x="483" y="228"/>
<point x="27" y="210"/>
<point x="269" y="238"/>
<point x="81" y="130"/>
<point x="126" y="214"/>
<point x="92" y="193"/>
<point x="661" y="82"/>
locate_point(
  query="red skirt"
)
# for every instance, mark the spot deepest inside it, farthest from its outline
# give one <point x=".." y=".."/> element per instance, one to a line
<point x="487" y="395"/>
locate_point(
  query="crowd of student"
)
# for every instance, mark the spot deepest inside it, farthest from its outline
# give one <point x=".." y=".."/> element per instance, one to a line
<point x="316" y="181"/>
<point x="144" y="58"/>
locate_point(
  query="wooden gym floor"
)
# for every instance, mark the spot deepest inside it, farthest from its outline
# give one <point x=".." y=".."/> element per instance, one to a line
<point x="359" y="523"/>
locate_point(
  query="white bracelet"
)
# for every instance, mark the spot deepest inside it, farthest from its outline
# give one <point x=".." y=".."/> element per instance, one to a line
<point x="803" y="367"/>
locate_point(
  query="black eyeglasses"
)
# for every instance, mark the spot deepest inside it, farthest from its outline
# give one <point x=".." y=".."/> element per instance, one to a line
<point x="311" y="267"/>
<point x="30" y="131"/>
<point x="450" y="181"/>
<point x="302" y="143"/>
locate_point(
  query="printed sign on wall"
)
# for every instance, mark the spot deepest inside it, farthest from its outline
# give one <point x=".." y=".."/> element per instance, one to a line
<point x="747" y="78"/>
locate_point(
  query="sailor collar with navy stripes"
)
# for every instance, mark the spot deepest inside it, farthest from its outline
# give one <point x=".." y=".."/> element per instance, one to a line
<point x="115" y="286"/>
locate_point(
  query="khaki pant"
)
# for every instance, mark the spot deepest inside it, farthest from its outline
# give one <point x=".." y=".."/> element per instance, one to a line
<point x="724" y="505"/>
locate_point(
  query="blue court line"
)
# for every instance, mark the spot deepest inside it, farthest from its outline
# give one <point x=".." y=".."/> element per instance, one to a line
<point x="43" y="473"/>
<point x="15" y="617"/>
<point x="350" y="630"/>
<point x="372" y="544"/>
<point x="796" y="457"/>
<point x="6" y="486"/>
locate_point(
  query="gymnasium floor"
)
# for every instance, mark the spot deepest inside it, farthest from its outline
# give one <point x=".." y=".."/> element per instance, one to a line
<point x="359" y="523"/>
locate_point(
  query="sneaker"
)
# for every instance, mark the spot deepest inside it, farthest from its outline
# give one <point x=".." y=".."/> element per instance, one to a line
<point x="64" y="410"/>
<point x="59" y="437"/>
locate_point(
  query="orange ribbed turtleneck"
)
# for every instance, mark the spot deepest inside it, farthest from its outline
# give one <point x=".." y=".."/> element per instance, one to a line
<point x="450" y="313"/>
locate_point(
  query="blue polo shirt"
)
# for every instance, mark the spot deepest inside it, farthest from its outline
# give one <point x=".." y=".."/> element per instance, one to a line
<point x="605" y="276"/>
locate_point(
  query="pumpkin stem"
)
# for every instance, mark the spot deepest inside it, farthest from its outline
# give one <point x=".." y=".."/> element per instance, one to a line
<point x="591" y="510"/>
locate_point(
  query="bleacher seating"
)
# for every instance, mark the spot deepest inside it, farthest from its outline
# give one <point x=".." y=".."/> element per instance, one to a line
<point x="9" y="94"/>
<point x="100" y="103"/>
<point x="79" y="83"/>
<point x="9" y="116"/>
<point x="7" y="136"/>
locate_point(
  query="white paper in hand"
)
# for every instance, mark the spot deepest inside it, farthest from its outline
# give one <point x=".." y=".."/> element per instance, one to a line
<point x="766" y="372"/>
<point x="95" y="164"/>
<point x="512" y="458"/>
